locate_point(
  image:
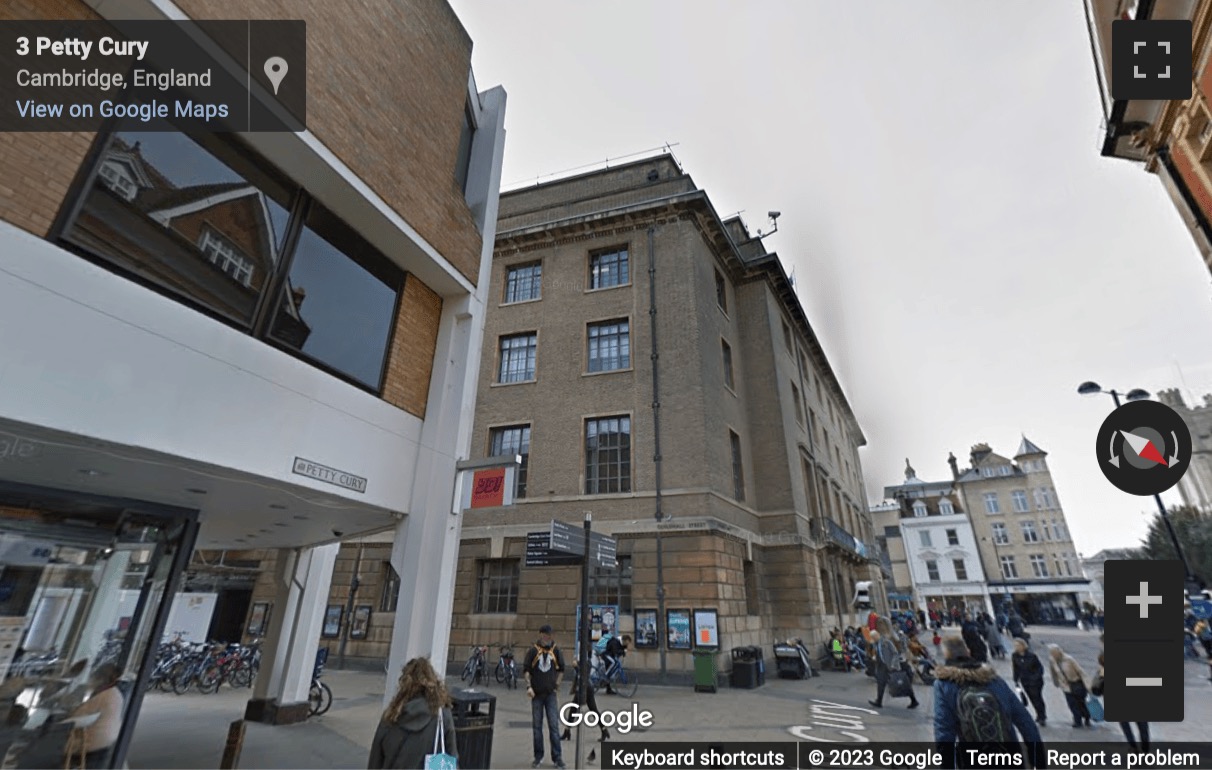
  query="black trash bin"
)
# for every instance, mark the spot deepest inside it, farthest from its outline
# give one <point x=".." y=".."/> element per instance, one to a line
<point x="760" y="659"/>
<point x="744" y="668"/>
<point x="474" y="713"/>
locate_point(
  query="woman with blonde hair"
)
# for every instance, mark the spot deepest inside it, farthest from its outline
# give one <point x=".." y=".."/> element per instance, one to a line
<point x="409" y="728"/>
<point x="1069" y="677"/>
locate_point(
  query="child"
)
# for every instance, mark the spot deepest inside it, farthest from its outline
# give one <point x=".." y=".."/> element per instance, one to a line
<point x="938" y="640"/>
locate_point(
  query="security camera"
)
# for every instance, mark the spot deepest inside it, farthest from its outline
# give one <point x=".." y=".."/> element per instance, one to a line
<point x="337" y="533"/>
<point x="774" y="214"/>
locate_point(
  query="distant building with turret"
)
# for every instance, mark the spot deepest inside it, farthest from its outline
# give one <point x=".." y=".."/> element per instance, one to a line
<point x="1196" y="484"/>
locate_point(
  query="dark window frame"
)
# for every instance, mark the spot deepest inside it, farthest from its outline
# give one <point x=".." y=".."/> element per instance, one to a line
<point x="389" y="590"/>
<point x="614" y="586"/>
<point x="721" y="291"/>
<point x="522" y="474"/>
<point x="738" y="466"/>
<point x="729" y="374"/>
<point x="491" y="575"/>
<point x="622" y="249"/>
<point x="536" y="281"/>
<point x="622" y="333"/>
<point x="594" y="481"/>
<point x="298" y="203"/>
<point x="532" y="369"/>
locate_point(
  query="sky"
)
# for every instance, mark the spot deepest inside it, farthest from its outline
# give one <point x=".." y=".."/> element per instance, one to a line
<point x="964" y="253"/>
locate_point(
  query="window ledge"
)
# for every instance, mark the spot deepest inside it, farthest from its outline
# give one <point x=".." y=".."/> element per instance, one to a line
<point x="608" y="288"/>
<point x="508" y="384"/>
<point x="730" y="390"/>
<point x="608" y="371"/>
<point x="520" y="302"/>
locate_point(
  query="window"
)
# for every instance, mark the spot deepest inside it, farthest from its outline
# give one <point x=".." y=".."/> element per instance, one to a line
<point x="1056" y="565"/>
<point x="787" y="336"/>
<point x="1000" y="536"/>
<point x="607" y="455"/>
<point x="799" y="405"/>
<point x="932" y="571"/>
<point x="1018" y="498"/>
<point x="207" y="223"/>
<point x="812" y="424"/>
<point x="609" y="346"/>
<point x="609" y="268"/>
<point x="524" y="282"/>
<point x="1039" y="565"/>
<point x="612" y="586"/>
<point x="1050" y="498"/>
<point x="463" y="159"/>
<point x="721" y="291"/>
<point x="1003" y="470"/>
<point x="952" y="537"/>
<point x="223" y="254"/>
<point x="919" y="509"/>
<point x="1045" y="529"/>
<point x="987" y="472"/>
<point x="726" y="350"/>
<point x="945" y="507"/>
<point x="497" y="586"/>
<point x="991" y="504"/>
<point x="738" y="468"/>
<point x="1045" y="498"/>
<point x="518" y="357"/>
<point x="753" y="604"/>
<point x="961" y="569"/>
<point x="1029" y="533"/>
<point x="1009" y="570"/>
<point x="924" y="537"/>
<point x="1062" y="533"/>
<point x="513" y="440"/>
<point x="389" y="589"/>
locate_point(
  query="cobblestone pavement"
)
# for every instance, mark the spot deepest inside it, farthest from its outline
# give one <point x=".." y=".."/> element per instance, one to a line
<point x="189" y="731"/>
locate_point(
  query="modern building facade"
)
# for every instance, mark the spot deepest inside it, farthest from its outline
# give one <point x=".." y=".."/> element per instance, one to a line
<point x="1171" y="138"/>
<point x="1195" y="486"/>
<point x="257" y="343"/>
<point x="652" y="365"/>
<point x="1020" y="528"/>
<point x="933" y="547"/>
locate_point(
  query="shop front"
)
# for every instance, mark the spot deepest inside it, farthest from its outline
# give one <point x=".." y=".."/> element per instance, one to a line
<point x="1051" y="603"/>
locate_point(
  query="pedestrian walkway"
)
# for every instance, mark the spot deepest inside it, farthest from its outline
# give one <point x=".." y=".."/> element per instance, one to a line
<point x="189" y="731"/>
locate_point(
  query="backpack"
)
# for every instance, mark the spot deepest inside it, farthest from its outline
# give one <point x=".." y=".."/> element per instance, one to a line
<point x="982" y="718"/>
<point x="600" y="645"/>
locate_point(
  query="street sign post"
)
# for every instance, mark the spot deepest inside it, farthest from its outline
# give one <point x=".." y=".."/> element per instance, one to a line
<point x="539" y="553"/>
<point x="603" y="550"/>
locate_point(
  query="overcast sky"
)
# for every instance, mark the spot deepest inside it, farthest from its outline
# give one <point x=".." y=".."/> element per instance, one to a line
<point x="964" y="253"/>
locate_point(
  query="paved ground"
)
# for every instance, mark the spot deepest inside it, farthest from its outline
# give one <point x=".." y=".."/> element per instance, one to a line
<point x="189" y="731"/>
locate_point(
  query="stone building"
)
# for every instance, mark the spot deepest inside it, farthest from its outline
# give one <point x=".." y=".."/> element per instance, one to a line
<point x="717" y="443"/>
<point x="1195" y="487"/>
<point x="932" y="546"/>
<point x="1021" y="530"/>
<point x="1171" y="138"/>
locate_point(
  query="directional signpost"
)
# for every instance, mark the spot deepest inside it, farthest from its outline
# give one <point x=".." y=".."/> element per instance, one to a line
<point x="540" y="554"/>
<point x="603" y="550"/>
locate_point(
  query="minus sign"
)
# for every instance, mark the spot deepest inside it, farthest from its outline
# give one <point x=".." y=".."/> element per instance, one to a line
<point x="1143" y="681"/>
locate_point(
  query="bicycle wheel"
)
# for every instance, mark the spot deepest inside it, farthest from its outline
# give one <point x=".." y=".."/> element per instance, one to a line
<point x="511" y="677"/>
<point x="319" y="699"/>
<point x="182" y="681"/>
<point x="625" y="684"/>
<point x="210" y="680"/>
<point x="240" y="675"/>
<point x="500" y="672"/>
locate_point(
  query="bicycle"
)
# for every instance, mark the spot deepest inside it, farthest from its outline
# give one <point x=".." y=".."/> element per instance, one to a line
<point x="507" y="668"/>
<point x="319" y="697"/>
<point x="617" y="679"/>
<point x="476" y="669"/>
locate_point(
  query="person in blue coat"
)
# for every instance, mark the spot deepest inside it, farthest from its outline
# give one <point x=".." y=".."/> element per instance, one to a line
<point x="963" y="682"/>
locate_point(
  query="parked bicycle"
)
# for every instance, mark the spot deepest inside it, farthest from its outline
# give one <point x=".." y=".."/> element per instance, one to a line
<point x="319" y="698"/>
<point x="616" y="679"/>
<point x="507" y="667"/>
<point x="476" y="670"/>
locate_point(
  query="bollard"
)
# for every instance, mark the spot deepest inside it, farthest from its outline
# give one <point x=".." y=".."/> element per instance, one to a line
<point x="235" y="743"/>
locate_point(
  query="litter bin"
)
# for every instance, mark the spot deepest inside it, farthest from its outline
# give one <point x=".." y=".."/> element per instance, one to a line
<point x="744" y="668"/>
<point x="761" y="666"/>
<point x="704" y="671"/>
<point x="474" y="713"/>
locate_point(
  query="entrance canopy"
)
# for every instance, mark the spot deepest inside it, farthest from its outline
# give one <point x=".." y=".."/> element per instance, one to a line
<point x="236" y="510"/>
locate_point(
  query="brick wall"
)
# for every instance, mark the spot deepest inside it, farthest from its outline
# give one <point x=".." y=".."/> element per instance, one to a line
<point x="410" y="363"/>
<point x="39" y="167"/>
<point x="387" y="85"/>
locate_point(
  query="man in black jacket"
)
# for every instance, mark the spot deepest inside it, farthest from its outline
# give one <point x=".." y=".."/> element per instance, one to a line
<point x="1029" y="674"/>
<point x="975" y="640"/>
<point x="544" y="670"/>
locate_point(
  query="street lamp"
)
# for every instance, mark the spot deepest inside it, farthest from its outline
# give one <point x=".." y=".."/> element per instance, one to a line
<point x="1138" y="394"/>
<point x="997" y="554"/>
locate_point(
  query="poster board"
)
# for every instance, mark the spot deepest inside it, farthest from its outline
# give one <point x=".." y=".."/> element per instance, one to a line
<point x="646" y="630"/>
<point x="332" y="621"/>
<point x="603" y="619"/>
<point x="706" y="630"/>
<point x="359" y="626"/>
<point x="678" y="624"/>
<point x="258" y="619"/>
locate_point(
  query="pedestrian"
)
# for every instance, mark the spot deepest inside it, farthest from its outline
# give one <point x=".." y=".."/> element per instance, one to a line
<point x="888" y="661"/>
<point x="411" y="723"/>
<point x="1069" y="677"/>
<point x="1029" y="674"/>
<point x="974" y="640"/>
<point x="835" y="648"/>
<point x="973" y="705"/>
<point x="1015" y="625"/>
<point x="588" y="705"/>
<point x="612" y="655"/>
<point x="1096" y="688"/>
<point x="1203" y="632"/>
<point x="544" y="670"/>
<point x="994" y="639"/>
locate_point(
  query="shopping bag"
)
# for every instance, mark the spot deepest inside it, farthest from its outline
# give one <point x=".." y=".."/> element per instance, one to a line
<point x="1022" y="695"/>
<point x="439" y="759"/>
<point x="1095" y="707"/>
<point x="899" y="684"/>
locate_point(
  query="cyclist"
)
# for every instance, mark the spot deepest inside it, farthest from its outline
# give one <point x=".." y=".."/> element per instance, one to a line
<point x="616" y="648"/>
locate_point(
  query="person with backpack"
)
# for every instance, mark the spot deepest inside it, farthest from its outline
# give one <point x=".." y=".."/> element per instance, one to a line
<point x="888" y="661"/>
<point x="1069" y="677"/>
<point x="544" y="670"/>
<point x="613" y="652"/>
<point x="973" y="705"/>
<point x="1029" y="674"/>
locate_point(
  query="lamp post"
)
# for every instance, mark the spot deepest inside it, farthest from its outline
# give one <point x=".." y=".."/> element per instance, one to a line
<point x="997" y="554"/>
<point x="1138" y="394"/>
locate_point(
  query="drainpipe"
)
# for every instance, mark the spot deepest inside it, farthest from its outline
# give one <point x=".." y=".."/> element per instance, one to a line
<point x="349" y="606"/>
<point x="662" y="637"/>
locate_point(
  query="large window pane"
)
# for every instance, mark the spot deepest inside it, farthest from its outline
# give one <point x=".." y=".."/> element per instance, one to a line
<point x="609" y="346"/>
<point x="607" y="455"/>
<point x="339" y="300"/>
<point x="199" y="222"/>
<point x="518" y="353"/>
<point x="514" y="440"/>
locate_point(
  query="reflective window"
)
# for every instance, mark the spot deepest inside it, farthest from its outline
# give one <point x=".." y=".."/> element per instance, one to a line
<point x="199" y="222"/>
<point x="952" y="537"/>
<point x="726" y="350"/>
<point x="1019" y="499"/>
<point x="1000" y="535"/>
<point x="607" y="455"/>
<point x="1009" y="569"/>
<point x="919" y="508"/>
<point x="991" y="503"/>
<point x="945" y="507"/>
<point x="961" y="569"/>
<point x="609" y="346"/>
<point x="518" y="357"/>
<point x="514" y="440"/>
<point x="523" y="282"/>
<point x="497" y="586"/>
<point x="339" y="300"/>
<point x="609" y="268"/>
<point x="932" y="571"/>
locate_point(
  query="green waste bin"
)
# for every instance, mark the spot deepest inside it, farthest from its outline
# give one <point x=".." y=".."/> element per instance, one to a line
<point x="704" y="671"/>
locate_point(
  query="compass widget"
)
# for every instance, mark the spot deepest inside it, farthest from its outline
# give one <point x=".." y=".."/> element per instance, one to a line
<point x="1144" y="448"/>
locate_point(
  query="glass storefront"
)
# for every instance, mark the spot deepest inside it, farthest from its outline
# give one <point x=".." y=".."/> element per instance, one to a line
<point x="84" y="593"/>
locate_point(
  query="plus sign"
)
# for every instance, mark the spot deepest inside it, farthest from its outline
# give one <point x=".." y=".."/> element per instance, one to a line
<point x="1144" y="600"/>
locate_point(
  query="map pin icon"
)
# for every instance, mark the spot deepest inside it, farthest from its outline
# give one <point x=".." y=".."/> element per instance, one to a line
<point x="275" y="70"/>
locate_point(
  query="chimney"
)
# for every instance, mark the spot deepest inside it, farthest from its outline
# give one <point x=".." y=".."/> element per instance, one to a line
<point x="979" y="452"/>
<point x="954" y="465"/>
